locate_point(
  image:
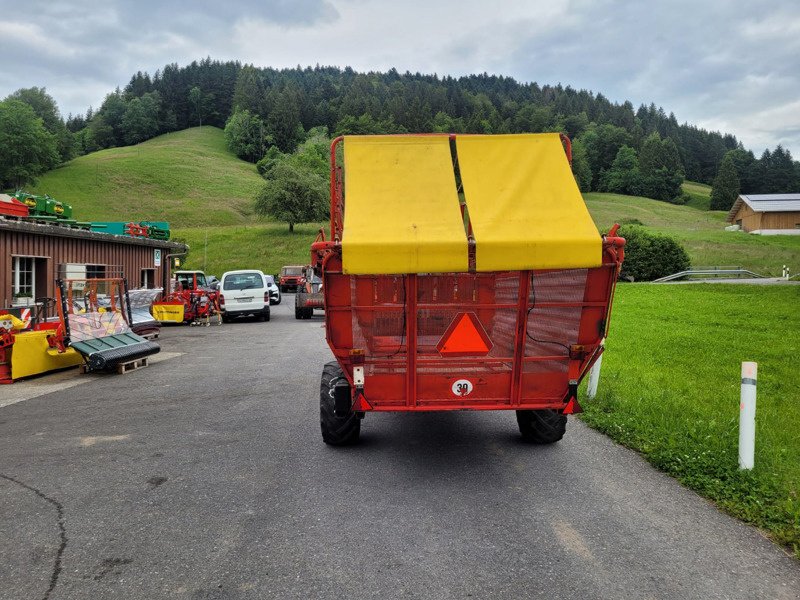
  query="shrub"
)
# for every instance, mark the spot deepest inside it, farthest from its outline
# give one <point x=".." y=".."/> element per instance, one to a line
<point x="649" y="256"/>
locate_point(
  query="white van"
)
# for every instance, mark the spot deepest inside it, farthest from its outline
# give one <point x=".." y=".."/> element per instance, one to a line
<point x="243" y="293"/>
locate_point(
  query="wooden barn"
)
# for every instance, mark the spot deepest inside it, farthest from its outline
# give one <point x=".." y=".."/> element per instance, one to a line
<point x="768" y="214"/>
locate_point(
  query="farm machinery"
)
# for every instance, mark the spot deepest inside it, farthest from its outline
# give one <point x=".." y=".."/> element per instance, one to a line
<point x="93" y="327"/>
<point x="462" y="272"/>
<point x="95" y="320"/>
<point x="190" y="300"/>
<point x="25" y="349"/>
<point x="291" y="278"/>
<point x="309" y="295"/>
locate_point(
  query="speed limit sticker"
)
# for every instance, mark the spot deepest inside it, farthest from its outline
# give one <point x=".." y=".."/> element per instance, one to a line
<point x="462" y="387"/>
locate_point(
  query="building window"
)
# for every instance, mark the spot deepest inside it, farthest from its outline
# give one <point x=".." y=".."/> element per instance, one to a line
<point x="23" y="280"/>
<point x="95" y="271"/>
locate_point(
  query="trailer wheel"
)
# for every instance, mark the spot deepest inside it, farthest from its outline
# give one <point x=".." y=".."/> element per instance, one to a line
<point x="544" y="426"/>
<point x="336" y="431"/>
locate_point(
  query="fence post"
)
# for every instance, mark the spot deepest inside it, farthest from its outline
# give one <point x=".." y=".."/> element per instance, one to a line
<point x="747" y="416"/>
<point x="594" y="377"/>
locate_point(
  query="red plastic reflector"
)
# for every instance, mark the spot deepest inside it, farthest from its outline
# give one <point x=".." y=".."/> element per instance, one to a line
<point x="361" y="404"/>
<point x="465" y="337"/>
<point x="572" y="407"/>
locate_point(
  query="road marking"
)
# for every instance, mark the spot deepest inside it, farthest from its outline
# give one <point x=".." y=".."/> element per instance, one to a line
<point x="91" y="440"/>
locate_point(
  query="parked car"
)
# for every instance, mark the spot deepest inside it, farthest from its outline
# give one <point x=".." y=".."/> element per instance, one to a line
<point x="274" y="290"/>
<point x="243" y="293"/>
<point x="291" y="278"/>
<point x="212" y="282"/>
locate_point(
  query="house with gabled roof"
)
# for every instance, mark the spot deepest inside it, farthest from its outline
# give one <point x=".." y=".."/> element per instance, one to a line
<point x="767" y="214"/>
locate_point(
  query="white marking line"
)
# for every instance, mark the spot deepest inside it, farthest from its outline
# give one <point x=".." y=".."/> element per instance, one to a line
<point x="91" y="440"/>
<point x="55" y="382"/>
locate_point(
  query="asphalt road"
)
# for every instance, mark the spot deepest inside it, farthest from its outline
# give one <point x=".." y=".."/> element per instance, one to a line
<point x="204" y="476"/>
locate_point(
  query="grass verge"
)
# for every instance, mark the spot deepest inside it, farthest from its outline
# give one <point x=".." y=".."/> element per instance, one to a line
<point x="670" y="385"/>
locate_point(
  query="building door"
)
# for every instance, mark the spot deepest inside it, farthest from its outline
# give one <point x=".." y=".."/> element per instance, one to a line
<point x="148" y="279"/>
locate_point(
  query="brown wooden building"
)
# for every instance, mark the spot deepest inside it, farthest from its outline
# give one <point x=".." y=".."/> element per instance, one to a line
<point x="33" y="255"/>
<point x="767" y="213"/>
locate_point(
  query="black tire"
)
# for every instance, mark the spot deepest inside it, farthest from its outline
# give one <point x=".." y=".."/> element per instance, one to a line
<point x="544" y="426"/>
<point x="226" y="319"/>
<point x="283" y="289"/>
<point x="336" y="431"/>
<point x="266" y="314"/>
<point x="309" y="312"/>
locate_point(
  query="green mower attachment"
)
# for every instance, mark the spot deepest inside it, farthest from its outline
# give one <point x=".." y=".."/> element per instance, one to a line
<point x="95" y="317"/>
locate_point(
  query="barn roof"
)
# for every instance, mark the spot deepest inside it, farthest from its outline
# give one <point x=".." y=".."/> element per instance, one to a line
<point x="766" y="203"/>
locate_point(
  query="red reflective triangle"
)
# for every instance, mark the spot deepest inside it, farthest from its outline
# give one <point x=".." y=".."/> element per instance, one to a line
<point x="361" y="404"/>
<point x="465" y="337"/>
<point x="572" y="407"/>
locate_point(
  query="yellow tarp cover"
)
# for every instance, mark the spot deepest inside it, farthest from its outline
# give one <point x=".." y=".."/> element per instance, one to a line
<point x="31" y="355"/>
<point x="401" y="207"/>
<point x="524" y="205"/>
<point x="168" y="312"/>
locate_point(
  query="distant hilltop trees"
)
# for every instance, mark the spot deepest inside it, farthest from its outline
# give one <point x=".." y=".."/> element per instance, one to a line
<point x="618" y="147"/>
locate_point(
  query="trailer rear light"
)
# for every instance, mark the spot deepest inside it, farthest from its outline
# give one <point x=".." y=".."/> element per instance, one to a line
<point x="221" y="300"/>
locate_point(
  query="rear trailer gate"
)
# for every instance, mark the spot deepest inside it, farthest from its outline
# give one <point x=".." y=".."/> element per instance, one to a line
<point x="463" y="272"/>
<point x="559" y="325"/>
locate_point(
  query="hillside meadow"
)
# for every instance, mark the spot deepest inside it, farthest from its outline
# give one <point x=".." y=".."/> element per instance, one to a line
<point x="188" y="178"/>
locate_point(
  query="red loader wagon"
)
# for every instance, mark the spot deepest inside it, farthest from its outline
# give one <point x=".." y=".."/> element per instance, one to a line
<point x="463" y="272"/>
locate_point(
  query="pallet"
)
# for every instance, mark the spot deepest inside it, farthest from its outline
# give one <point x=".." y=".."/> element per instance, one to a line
<point x="151" y="336"/>
<point x="122" y="368"/>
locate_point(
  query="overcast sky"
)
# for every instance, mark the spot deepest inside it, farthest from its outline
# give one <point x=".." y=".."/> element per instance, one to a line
<point x="726" y="65"/>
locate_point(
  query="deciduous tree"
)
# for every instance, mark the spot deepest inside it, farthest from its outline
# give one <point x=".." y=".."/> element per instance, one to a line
<point x="293" y="195"/>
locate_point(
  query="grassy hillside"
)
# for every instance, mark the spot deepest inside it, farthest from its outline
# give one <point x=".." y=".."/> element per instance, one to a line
<point x="701" y="232"/>
<point x="670" y="387"/>
<point x="699" y="194"/>
<point x="267" y="247"/>
<point x="188" y="178"/>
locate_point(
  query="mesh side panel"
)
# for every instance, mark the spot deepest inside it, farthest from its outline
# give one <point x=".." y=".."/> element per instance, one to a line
<point x="546" y="367"/>
<point x="381" y="333"/>
<point x="552" y="330"/>
<point x="567" y="285"/>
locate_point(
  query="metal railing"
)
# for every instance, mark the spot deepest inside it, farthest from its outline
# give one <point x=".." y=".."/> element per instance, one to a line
<point x="727" y="272"/>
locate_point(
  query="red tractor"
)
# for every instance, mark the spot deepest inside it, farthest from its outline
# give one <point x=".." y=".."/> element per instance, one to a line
<point x="462" y="272"/>
<point x="291" y="278"/>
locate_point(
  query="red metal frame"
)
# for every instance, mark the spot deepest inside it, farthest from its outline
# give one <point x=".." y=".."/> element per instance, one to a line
<point x="546" y="327"/>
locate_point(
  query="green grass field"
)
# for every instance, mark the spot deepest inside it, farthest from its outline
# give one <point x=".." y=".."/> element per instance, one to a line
<point x="670" y="386"/>
<point x="701" y="232"/>
<point x="188" y="178"/>
<point x="265" y="246"/>
<point x="699" y="194"/>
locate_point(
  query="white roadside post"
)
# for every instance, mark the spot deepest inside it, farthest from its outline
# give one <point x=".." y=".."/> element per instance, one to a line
<point x="747" y="416"/>
<point x="594" y="376"/>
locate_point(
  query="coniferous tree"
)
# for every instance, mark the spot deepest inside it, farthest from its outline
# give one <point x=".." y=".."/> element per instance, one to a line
<point x="726" y="184"/>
